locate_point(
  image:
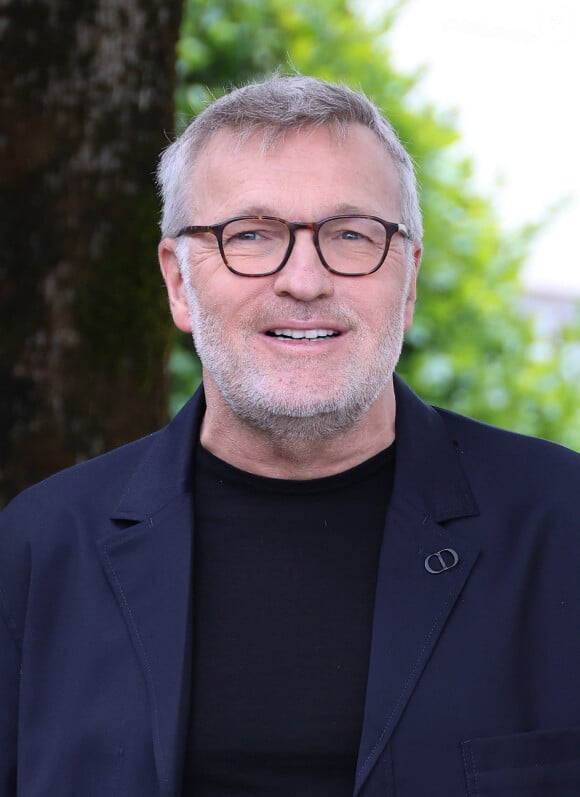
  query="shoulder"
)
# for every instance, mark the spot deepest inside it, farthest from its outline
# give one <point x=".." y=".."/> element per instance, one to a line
<point x="51" y="535"/>
<point x="60" y="518"/>
<point x="97" y="482"/>
<point x="501" y="463"/>
<point x="512" y="461"/>
<point x="144" y="471"/>
<point x="502" y="441"/>
<point x="49" y="529"/>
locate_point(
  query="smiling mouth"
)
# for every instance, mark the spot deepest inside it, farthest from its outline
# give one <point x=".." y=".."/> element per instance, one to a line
<point x="303" y="334"/>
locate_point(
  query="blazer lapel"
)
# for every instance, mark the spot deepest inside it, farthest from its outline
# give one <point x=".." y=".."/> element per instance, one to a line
<point x="422" y="569"/>
<point x="148" y="564"/>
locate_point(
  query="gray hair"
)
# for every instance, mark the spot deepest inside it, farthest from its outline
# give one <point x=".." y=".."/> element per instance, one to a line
<point x="274" y="107"/>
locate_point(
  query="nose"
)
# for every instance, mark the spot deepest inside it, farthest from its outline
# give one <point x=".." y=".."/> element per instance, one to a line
<point x="304" y="277"/>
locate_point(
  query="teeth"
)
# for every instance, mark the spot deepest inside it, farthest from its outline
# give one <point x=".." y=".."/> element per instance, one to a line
<point x="300" y="334"/>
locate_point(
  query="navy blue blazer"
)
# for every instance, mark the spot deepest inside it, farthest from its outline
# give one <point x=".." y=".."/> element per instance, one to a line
<point x="473" y="683"/>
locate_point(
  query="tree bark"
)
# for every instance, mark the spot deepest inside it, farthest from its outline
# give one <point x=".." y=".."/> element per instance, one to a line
<point x="86" y="103"/>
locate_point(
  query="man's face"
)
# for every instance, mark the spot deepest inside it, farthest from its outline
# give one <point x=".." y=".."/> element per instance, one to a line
<point x="302" y="352"/>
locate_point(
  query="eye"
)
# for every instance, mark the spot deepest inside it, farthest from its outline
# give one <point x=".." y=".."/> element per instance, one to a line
<point x="254" y="234"/>
<point x="362" y="231"/>
<point x="242" y="235"/>
<point x="351" y="235"/>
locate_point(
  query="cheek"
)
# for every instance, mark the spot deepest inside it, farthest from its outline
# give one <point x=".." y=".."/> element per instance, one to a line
<point x="378" y="305"/>
<point x="389" y="318"/>
<point x="225" y="298"/>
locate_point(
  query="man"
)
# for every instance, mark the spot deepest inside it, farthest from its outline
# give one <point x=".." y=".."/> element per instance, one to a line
<point x="309" y="583"/>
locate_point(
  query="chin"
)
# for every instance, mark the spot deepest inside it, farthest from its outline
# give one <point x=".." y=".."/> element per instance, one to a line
<point x="317" y="418"/>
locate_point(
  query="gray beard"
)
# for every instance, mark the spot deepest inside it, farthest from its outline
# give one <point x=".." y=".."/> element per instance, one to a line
<point x="279" y="419"/>
<point x="273" y="415"/>
<point x="320" y="422"/>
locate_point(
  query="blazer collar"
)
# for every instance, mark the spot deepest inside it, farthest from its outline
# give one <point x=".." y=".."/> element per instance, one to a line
<point x="429" y="470"/>
<point x="166" y="471"/>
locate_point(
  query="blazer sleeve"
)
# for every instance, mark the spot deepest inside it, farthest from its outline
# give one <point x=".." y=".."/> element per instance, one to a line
<point x="13" y="583"/>
<point x="9" y="688"/>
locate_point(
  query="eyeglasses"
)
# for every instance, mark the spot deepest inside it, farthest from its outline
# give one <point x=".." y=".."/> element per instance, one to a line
<point x="257" y="246"/>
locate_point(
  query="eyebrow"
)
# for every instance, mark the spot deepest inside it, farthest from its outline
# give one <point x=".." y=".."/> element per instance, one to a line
<point x="255" y="210"/>
<point x="345" y="208"/>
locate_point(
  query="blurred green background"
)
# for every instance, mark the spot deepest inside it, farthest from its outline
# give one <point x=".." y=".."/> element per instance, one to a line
<point x="471" y="348"/>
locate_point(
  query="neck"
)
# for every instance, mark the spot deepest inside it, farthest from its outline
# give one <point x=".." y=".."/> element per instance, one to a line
<point x="235" y="441"/>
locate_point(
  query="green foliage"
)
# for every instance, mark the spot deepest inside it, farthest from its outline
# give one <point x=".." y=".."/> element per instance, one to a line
<point x="470" y="348"/>
<point x="185" y="371"/>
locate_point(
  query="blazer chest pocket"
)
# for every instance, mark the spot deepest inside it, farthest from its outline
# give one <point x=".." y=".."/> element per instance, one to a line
<point x="534" y="764"/>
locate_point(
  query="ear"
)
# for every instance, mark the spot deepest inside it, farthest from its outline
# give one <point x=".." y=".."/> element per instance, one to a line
<point x="174" y="283"/>
<point x="412" y="290"/>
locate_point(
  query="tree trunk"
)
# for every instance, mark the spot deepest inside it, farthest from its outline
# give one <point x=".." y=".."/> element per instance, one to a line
<point x="86" y="100"/>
